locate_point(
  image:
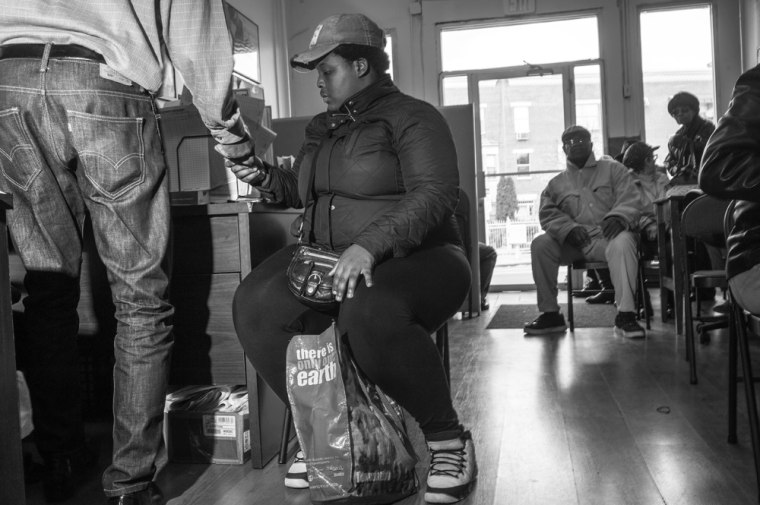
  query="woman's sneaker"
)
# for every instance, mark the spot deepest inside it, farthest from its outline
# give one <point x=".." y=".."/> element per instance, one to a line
<point x="453" y="470"/>
<point x="297" y="477"/>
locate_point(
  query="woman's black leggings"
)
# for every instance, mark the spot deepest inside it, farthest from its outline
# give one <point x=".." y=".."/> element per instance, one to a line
<point x="388" y="327"/>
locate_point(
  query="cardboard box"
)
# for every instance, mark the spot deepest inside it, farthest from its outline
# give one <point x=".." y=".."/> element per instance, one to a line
<point x="208" y="437"/>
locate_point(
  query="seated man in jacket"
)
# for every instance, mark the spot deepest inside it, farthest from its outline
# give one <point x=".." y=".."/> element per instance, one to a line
<point x="587" y="212"/>
<point x="731" y="170"/>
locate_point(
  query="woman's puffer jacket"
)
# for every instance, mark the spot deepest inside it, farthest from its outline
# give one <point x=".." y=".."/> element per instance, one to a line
<point x="385" y="176"/>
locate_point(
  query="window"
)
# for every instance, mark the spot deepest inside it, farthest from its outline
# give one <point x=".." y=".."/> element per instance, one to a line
<point x="669" y="66"/>
<point x="589" y="115"/>
<point x="579" y="36"/>
<point x="522" y="160"/>
<point x="454" y="90"/>
<point x="521" y="116"/>
<point x="389" y="35"/>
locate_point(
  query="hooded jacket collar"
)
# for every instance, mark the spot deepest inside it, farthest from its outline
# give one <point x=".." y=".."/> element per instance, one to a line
<point x="361" y="101"/>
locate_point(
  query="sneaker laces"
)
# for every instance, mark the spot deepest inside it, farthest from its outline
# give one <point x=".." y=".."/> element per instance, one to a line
<point x="450" y="462"/>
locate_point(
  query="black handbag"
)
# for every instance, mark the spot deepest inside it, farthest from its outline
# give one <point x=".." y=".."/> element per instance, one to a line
<point x="309" y="279"/>
<point x="308" y="271"/>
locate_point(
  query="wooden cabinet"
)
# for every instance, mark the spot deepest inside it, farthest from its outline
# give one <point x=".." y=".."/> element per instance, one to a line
<point x="215" y="247"/>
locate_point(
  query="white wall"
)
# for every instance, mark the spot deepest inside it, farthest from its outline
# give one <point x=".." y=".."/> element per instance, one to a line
<point x="417" y="45"/>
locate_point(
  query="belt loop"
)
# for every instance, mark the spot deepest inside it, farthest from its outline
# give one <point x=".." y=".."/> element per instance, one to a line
<point x="45" y="57"/>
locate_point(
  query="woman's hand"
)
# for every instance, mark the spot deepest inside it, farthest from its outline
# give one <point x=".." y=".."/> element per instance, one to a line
<point x="354" y="262"/>
<point x="250" y="169"/>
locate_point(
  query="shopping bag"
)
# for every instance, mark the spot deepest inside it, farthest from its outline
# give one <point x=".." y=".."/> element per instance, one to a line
<point x="353" y="435"/>
<point x="24" y="405"/>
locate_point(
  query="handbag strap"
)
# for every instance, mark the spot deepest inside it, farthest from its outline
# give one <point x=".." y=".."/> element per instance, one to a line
<point x="313" y="194"/>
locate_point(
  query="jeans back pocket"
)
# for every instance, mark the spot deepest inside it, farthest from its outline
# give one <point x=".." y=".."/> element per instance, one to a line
<point x="110" y="150"/>
<point x="19" y="160"/>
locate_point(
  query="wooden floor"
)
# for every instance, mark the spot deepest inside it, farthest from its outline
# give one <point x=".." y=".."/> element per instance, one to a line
<point x="580" y="418"/>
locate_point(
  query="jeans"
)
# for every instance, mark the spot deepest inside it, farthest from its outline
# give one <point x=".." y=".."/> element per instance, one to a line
<point x="74" y="143"/>
<point x="388" y="327"/>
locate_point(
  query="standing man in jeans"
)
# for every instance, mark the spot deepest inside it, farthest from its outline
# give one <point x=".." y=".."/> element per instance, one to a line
<point x="79" y="135"/>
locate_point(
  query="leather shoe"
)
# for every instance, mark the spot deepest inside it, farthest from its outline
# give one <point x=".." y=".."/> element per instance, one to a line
<point x="63" y="473"/>
<point x="484" y="305"/>
<point x="601" y="297"/>
<point x="149" y="496"/>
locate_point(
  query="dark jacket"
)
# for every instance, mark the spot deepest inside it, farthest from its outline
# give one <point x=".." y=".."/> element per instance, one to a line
<point x="731" y="170"/>
<point x="386" y="175"/>
<point x="685" y="150"/>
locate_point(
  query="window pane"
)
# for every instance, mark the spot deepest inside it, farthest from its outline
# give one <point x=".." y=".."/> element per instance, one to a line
<point x="579" y="41"/>
<point x="389" y="51"/>
<point x="454" y="90"/>
<point x="676" y="55"/>
<point x="588" y="104"/>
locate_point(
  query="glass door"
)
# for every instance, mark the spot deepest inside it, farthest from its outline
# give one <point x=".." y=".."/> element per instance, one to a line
<point x="521" y="120"/>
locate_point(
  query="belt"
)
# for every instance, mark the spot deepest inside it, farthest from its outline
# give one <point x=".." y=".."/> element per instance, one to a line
<point x="37" y="51"/>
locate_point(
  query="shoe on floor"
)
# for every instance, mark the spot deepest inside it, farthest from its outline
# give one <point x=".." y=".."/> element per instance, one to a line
<point x="626" y="326"/>
<point x="297" y="477"/>
<point x="63" y="473"/>
<point x="602" y="297"/>
<point x="149" y="496"/>
<point x="721" y="308"/>
<point x="591" y="287"/>
<point x="548" y="322"/>
<point x="484" y="305"/>
<point x="453" y="470"/>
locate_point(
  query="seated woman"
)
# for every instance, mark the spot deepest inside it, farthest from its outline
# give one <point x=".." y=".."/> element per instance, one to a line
<point x="640" y="159"/>
<point x="383" y="191"/>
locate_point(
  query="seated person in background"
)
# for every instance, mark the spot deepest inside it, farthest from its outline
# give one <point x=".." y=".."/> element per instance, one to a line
<point x="599" y="280"/>
<point x="487" y="256"/>
<point x="731" y="170"/>
<point x="640" y="159"/>
<point x="588" y="212"/>
<point x="686" y="146"/>
<point x="626" y="144"/>
<point x="378" y="175"/>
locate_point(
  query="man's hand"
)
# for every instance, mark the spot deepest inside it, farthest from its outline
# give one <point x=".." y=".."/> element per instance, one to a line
<point x="578" y="237"/>
<point x="612" y="226"/>
<point x="354" y="261"/>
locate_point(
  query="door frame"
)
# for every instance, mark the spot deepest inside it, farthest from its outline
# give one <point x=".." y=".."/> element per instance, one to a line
<point x="567" y="70"/>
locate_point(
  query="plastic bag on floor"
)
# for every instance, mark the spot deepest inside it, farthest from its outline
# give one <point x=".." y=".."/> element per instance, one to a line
<point x="352" y="434"/>
<point x="24" y="405"/>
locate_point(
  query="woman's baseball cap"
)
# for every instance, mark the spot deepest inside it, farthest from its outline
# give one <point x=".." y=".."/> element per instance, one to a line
<point x="334" y="31"/>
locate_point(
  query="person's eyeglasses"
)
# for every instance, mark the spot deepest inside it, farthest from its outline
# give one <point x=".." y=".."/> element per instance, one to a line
<point x="576" y="141"/>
